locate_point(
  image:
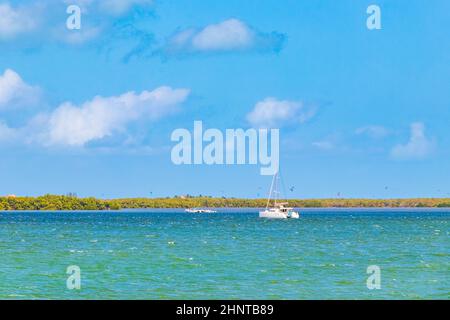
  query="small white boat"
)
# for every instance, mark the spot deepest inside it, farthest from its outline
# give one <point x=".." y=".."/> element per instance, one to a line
<point x="279" y="210"/>
<point x="194" y="210"/>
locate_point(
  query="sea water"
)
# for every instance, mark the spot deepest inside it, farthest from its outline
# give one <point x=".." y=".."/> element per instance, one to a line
<point x="233" y="254"/>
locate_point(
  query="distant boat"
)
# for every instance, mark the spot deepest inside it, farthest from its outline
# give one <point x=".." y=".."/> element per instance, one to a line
<point x="279" y="210"/>
<point x="194" y="210"/>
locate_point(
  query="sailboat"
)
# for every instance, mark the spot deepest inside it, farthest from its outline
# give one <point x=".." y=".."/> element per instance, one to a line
<point x="279" y="210"/>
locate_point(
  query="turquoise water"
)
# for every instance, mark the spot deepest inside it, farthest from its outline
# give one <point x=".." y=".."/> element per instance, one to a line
<point x="168" y="254"/>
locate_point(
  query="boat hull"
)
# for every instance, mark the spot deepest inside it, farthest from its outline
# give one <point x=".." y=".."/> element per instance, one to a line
<point x="278" y="215"/>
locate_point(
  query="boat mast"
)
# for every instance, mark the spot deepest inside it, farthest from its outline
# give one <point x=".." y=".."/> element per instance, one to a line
<point x="276" y="192"/>
<point x="271" y="190"/>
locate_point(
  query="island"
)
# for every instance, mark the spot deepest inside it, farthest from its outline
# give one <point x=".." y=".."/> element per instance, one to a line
<point x="73" y="202"/>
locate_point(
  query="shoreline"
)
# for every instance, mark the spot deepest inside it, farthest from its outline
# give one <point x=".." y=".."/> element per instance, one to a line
<point x="72" y="202"/>
<point x="238" y="210"/>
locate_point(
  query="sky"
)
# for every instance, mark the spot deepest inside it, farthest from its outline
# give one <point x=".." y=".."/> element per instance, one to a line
<point x="362" y="113"/>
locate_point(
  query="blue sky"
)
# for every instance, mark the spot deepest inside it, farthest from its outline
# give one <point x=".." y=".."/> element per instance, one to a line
<point x="91" y="111"/>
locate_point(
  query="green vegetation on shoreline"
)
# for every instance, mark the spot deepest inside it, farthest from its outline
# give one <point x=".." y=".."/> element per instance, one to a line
<point x="70" y="202"/>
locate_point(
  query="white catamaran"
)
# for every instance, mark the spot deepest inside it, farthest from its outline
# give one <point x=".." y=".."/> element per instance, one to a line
<point x="279" y="209"/>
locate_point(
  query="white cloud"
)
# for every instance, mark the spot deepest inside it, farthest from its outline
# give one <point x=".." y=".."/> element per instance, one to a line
<point x="95" y="119"/>
<point x="6" y="133"/>
<point x="42" y="19"/>
<point x="83" y="4"/>
<point x="330" y="142"/>
<point x="77" y="37"/>
<point x="228" y="35"/>
<point x="15" y="92"/>
<point x="101" y="117"/>
<point x="375" y="132"/>
<point x="324" y="145"/>
<point x="272" y="112"/>
<point x="418" y="146"/>
<point x="14" y="21"/>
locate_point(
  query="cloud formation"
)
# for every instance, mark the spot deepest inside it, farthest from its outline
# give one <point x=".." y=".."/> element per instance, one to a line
<point x="118" y="24"/>
<point x="331" y="142"/>
<point x="14" y="21"/>
<point x="228" y="35"/>
<point x="274" y="113"/>
<point x="71" y="125"/>
<point x="39" y="22"/>
<point x="14" y="92"/>
<point x="6" y="133"/>
<point x="373" y="131"/>
<point x="323" y="145"/>
<point x="418" y="146"/>
<point x="78" y="37"/>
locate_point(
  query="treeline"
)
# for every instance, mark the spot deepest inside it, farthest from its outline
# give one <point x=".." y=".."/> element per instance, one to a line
<point x="70" y="202"/>
<point x="193" y="202"/>
<point x="54" y="202"/>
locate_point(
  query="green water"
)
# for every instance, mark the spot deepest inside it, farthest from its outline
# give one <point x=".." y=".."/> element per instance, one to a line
<point x="173" y="255"/>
